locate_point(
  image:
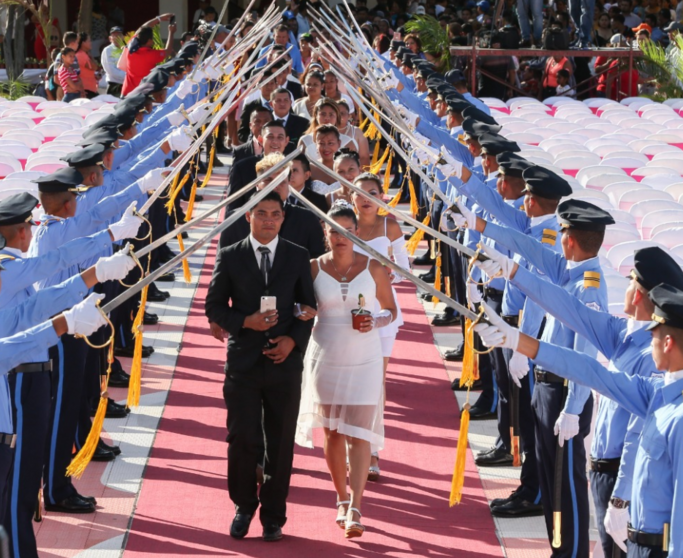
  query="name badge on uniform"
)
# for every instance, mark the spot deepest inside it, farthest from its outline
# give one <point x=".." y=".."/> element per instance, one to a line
<point x="591" y="279"/>
<point x="549" y="236"/>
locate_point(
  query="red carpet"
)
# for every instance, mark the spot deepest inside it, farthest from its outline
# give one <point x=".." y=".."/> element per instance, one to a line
<point x="184" y="509"/>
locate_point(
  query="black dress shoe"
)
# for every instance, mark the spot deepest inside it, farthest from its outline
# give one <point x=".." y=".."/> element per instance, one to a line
<point x="156" y="295"/>
<point x="103" y="455"/>
<point x="424" y="259"/>
<point x="198" y="198"/>
<point x="479" y="413"/>
<point x="455" y="385"/>
<point x="184" y="235"/>
<point x="500" y="501"/>
<point x="240" y="525"/>
<point x="130" y="351"/>
<point x="223" y="150"/>
<point x="150" y="319"/>
<point x="167" y="256"/>
<point x="272" y="532"/>
<point x="118" y="378"/>
<point x="495" y="457"/>
<point x="116" y="450"/>
<point x="455" y="355"/>
<point x="446" y="319"/>
<point x="426" y="296"/>
<point x="89" y="499"/>
<point x="166" y="277"/>
<point x="428" y="277"/>
<point x="217" y="162"/>
<point x="114" y="410"/>
<point x="72" y="504"/>
<point x="517" y="507"/>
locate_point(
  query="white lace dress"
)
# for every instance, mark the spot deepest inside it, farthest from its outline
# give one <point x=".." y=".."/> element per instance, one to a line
<point x="342" y="380"/>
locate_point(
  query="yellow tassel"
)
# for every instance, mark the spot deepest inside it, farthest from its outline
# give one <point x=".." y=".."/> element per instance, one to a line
<point x="377" y="165"/>
<point x="417" y="237"/>
<point x="80" y="462"/>
<point x="460" y="457"/>
<point x="170" y="204"/>
<point x="190" y="204"/>
<point x="414" y="206"/>
<point x="437" y="278"/>
<point x="375" y="155"/>
<point x="209" y="169"/>
<point x="387" y="172"/>
<point x="186" y="265"/>
<point x="135" y="382"/>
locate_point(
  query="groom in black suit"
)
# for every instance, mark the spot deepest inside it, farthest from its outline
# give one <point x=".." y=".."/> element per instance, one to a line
<point x="262" y="385"/>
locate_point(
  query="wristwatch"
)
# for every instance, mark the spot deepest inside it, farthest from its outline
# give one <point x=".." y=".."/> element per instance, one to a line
<point x="619" y="503"/>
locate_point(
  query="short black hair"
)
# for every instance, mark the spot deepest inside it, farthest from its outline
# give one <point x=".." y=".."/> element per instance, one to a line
<point x="327" y="129"/>
<point x="339" y="210"/>
<point x="281" y="28"/>
<point x="274" y="124"/>
<point x="368" y="176"/>
<point x="588" y="241"/>
<point x="563" y="73"/>
<point x="270" y="196"/>
<point x="305" y="163"/>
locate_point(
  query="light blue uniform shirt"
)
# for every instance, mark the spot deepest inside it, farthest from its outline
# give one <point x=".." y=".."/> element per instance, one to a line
<point x="18" y="349"/>
<point x="659" y="460"/>
<point x="570" y="276"/>
<point x="477" y="103"/>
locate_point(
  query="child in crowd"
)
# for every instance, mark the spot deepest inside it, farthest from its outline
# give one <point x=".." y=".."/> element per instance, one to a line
<point x="563" y="87"/>
<point x="68" y="77"/>
<point x="531" y="81"/>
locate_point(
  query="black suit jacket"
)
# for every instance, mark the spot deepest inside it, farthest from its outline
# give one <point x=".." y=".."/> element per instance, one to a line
<point x="316" y="199"/>
<point x="301" y="227"/>
<point x="296" y="127"/>
<point x="243" y="151"/>
<point x="235" y="292"/>
<point x="295" y="89"/>
<point x="242" y="174"/>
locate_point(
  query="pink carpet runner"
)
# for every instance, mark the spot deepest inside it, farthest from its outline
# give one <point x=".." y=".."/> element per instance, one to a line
<point x="184" y="510"/>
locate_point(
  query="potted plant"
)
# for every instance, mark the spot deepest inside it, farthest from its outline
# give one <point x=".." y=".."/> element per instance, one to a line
<point x="360" y="313"/>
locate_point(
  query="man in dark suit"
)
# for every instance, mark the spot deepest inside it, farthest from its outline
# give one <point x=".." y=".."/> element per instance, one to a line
<point x="274" y="139"/>
<point x="262" y="385"/>
<point x="300" y="180"/>
<point x="281" y="102"/>
<point x="261" y="101"/>
<point x="252" y="147"/>
<point x="300" y="225"/>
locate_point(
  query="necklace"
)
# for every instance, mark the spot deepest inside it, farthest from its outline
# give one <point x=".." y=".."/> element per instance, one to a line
<point x="343" y="277"/>
<point x="372" y="230"/>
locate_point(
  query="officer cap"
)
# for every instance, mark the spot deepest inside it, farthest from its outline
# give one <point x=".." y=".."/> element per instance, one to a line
<point x="158" y="79"/>
<point x="456" y="105"/>
<point x="395" y="45"/>
<point x="62" y="180"/>
<point x="126" y="117"/>
<point x="104" y="136"/>
<point x="425" y="73"/>
<point x="652" y="264"/>
<point x="88" y="157"/>
<point x="493" y="144"/>
<point x="583" y="216"/>
<point x="433" y="82"/>
<point x="189" y="50"/>
<point x="480" y="115"/>
<point x="408" y="59"/>
<point x="511" y="164"/>
<point x="136" y="101"/>
<point x="668" y="301"/>
<point x="545" y="183"/>
<point x="454" y="76"/>
<point x="17" y="209"/>
<point x="474" y="128"/>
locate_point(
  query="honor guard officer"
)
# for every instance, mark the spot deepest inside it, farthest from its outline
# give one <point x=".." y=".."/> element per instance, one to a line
<point x="563" y="413"/>
<point x="657" y="501"/>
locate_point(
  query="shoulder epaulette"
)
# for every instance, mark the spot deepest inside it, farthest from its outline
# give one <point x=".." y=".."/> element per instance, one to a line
<point x="591" y="279"/>
<point x="4" y="257"/>
<point x="549" y="236"/>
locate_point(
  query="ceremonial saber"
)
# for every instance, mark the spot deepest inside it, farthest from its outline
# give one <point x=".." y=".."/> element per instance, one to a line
<point x="238" y="214"/>
<point x="386" y="261"/>
<point x="237" y="26"/>
<point x="557" y="486"/>
<point x="400" y="215"/>
<point x="227" y="201"/>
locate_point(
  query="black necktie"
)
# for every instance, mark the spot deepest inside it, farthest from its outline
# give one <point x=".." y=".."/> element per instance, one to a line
<point x="265" y="262"/>
<point x="280" y="122"/>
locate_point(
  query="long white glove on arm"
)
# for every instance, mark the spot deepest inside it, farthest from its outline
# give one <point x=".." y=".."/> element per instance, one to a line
<point x="152" y="179"/>
<point x="498" y="333"/>
<point x="497" y="264"/>
<point x="518" y="367"/>
<point x="128" y="226"/>
<point x="401" y="258"/>
<point x="381" y="319"/>
<point x="616" y="525"/>
<point x="114" y="267"/>
<point x="180" y="139"/>
<point x="186" y="87"/>
<point x="85" y="318"/>
<point x="566" y="427"/>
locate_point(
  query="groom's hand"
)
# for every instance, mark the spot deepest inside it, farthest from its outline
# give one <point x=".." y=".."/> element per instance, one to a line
<point x="261" y="321"/>
<point x="217" y="331"/>
<point x="283" y="346"/>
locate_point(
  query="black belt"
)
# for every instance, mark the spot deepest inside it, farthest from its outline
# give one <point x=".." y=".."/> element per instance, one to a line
<point x="645" y="539"/>
<point x="605" y="465"/>
<point x="33" y="367"/>
<point x="9" y="439"/>
<point x="492" y="293"/>
<point x="511" y="320"/>
<point x="546" y="377"/>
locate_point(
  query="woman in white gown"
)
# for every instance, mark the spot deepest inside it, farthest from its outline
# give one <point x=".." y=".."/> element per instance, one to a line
<point x="384" y="235"/>
<point x="346" y="128"/>
<point x="326" y="111"/>
<point x="342" y="380"/>
<point x="313" y="87"/>
<point x="346" y="165"/>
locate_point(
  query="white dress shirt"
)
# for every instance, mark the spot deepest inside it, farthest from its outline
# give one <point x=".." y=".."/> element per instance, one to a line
<point x="109" y="61"/>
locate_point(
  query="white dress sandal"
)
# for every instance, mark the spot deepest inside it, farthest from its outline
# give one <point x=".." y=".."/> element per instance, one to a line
<point x="341" y="513"/>
<point x="353" y="528"/>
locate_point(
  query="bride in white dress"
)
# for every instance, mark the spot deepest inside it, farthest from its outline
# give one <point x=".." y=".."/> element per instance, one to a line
<point x="342" y="388"/>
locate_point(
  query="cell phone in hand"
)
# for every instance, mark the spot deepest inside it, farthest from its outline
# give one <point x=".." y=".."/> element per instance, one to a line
<point x="268" y="303"/>
<point x="172" y="20"/>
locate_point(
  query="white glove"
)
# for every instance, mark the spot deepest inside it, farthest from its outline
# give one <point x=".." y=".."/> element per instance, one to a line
<point x="453" y="166"/>
<point x="566" y="427"/>
<point x="422" y="156"/>
<point x="212" y="72"/>
<point x="152" y="179"/>
<point x="128" y="226"/>
<point x="114" y="267"/>
<point x="197" y="113"/>
<point x="180" y="139"/>
<point x="390" y="81"/>
<point x="85" y="318"/>
<point x="616" y="525"/>
<point x="473" y="293"/>
<point x="449" y="170"/>
<point x="381" y="319"/>
<point x="499" y="264"/>
<point x="199" y="76"/>
<point x="499" y="333"/>
<point x="518" y="367"/>
<point x="186" y="87"/>
<point x="410" y="119"/>
<point x="176" y="118"/>
<point x="466" y="215"/>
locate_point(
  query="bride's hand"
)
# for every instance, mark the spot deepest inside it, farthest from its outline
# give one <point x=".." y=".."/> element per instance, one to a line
<point x="306" y="313"/>
<point x="367" y="324"/>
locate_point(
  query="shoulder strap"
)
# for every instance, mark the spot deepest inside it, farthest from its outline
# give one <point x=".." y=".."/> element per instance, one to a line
<point x="4" y="257"/>
<point x="385" y="227"/>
